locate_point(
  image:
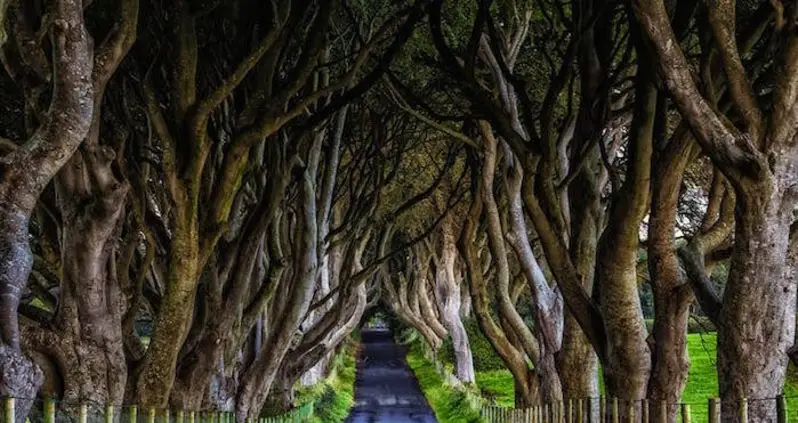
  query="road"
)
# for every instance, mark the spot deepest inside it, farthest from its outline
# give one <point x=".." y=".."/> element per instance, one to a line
<point x="386" y="390"/>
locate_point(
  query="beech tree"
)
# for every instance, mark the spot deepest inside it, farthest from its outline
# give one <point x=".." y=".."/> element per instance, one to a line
<point x="751" y="144"/>
<point x="256" y="177"/>
<point x="63" y="82"/>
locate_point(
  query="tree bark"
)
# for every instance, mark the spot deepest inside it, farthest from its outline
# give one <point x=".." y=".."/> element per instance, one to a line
<point x="449" y="295"/>
<point x="628" y="363"/>
<point x="26" y="171"/>
<point x="256" y="384"/>
<point x="672" y="294"/>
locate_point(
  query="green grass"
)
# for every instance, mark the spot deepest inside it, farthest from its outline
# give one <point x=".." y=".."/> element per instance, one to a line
<point x="497" y="386"/>
<point x="333" y="397"/>
<point x="451" y="405"/>
<point x="702" y="381"/>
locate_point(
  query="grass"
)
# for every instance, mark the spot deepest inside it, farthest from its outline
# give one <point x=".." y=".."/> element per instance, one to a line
<point x="702" y="381"/>
<point x="450" y="404"/>
<point x="333" y="397"/>
<point x="497" y="386"/>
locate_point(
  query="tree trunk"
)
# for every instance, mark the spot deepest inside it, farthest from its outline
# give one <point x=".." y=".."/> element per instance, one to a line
<point x="19" y="376"/>
<point x="25" y="173"/>
<point x="171" y="327"/>
<point x="754" y="336"/>
<point x="629" y="359"/>
<point x="449" y="294"/>
<point x="672" y="295"/>
<point x="425" y="305"/>
<point x="256" y="384"/>
<point x="91" y="308"/>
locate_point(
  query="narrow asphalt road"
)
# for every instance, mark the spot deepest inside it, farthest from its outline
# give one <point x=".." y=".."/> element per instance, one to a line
<point x="386" y="390"/>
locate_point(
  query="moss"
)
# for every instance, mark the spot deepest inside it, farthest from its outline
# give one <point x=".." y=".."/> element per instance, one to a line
<point x="450" y="404"/>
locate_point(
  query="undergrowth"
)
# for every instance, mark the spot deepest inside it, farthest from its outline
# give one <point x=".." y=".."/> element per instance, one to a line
<point x="450" y="404"/>
<point x="333" y="397"/>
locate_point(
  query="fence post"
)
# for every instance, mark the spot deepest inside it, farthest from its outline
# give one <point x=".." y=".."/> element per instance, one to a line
<point x="569" y="417"/>
<point x="663" y="411"/>
<point x="714" y="410"/>
<point x="49" y="410"/>
<point x="10" y="412"/>
<point x="645" y="411"/>
<point x="561" y="411"/>
<point x="603" y="409"/>
<point x="615" y="418"/>
<point x="631" y="412"/>
<point x="109" y="413"/>
<point x="134" y="414"/>
<point x="744" y="410"/>
<point x="83" y="413"/>
<point x="781" y="409"/>
<point x="580" y="408"/>
<point x="686" y="415"/>
<point x="192" y="416"/>
<point x="151" y="415"/>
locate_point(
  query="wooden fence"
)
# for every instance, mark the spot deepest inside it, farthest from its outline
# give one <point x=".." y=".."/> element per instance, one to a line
<point x="615" y="411"/>
<point x="50" y="411"/>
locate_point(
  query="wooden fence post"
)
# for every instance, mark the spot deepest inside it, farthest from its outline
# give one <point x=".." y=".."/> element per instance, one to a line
<point x="570" y="412"/>
<point x="109" y="413"/>
<point x="9" y="413"/>
<point x="631" y="411"/>
<point x="192" y="416"/>
<point x="615" y="417"/>
<point x="49" y="410"/>
<point x="134" y="414"/>
<point x="602" y="409"/>
<point x="151" y="415"/>
<point x="687" y="417"/>
<point x="645" y="411"/>
<point x="781" y="409"/>
<point x="663" y="411"/>
<point x="83" y="413"/>
<point x="744" y="410"/>
<point x="714" y="410"/>
<point x="580" y="408"/>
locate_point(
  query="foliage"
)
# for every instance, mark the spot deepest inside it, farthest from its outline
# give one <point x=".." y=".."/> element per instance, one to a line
<point x="450" y="404"/>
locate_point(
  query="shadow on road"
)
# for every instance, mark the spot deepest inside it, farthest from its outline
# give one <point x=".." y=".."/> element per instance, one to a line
<point x="386" y="390"/>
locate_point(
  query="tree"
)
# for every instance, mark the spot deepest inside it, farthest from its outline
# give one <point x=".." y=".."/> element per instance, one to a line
<point x="74" y="79"/>
<point x="753" y="147"/>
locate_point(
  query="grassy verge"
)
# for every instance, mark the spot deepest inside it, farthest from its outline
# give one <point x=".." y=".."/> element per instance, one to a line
<point x="333" y="397"/>
<point x="451" y="404"/>
<point x="702" y="381"/>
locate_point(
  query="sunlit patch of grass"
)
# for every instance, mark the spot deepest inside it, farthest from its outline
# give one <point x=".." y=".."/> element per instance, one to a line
<point x="451" y="405"/>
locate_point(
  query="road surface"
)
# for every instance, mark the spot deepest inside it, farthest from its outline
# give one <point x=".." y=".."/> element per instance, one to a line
<point x="386" y="390"/>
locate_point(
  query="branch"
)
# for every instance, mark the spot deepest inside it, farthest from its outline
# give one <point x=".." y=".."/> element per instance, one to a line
<point x="693" y="262"/>
<point x="731" y="151"/>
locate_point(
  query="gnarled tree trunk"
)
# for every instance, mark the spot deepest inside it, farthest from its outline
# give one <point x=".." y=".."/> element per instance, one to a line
<point x="27" y="170"/>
